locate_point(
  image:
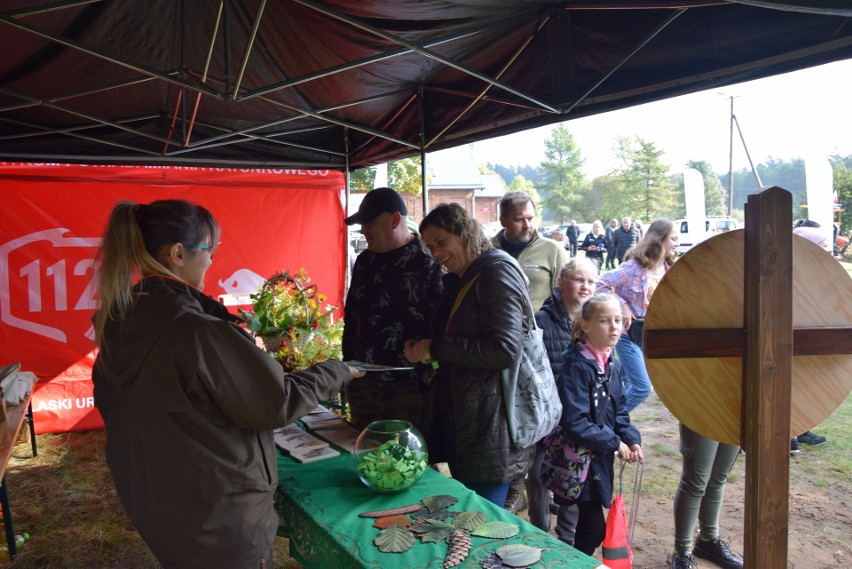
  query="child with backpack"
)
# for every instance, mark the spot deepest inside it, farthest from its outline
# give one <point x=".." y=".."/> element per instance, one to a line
<point x="593" y="414"/>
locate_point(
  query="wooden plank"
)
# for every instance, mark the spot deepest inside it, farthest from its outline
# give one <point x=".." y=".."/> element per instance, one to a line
<point x="767" y="373"/>
<point x="731" y="342"/>
<point x="695" y="343"/>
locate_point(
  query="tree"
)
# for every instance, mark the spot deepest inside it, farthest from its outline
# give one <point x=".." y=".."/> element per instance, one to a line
<point x="843" y="187"/>
<point x="646" y="190"/>
<point x="521" y="183"/>
<point x="362" y="180"/>
<point x="404" y="175"/>
<point x="563" y="180"/>
<point x="714" y="193"/>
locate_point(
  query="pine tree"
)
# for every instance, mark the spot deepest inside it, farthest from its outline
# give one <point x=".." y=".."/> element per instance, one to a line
<point x="563" y="179"/>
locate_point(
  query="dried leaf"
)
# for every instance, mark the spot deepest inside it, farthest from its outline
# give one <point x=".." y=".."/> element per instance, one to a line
<point x="491" y="562"/>
<point x="394" y="540"/>
<point x="439" y="503"/>
<point x="458" y="548"/>
<point x="497" y="530"/>
<point x="518" y="555"/>
<point x="469" y="521"/>
<point x="388" y="521"/>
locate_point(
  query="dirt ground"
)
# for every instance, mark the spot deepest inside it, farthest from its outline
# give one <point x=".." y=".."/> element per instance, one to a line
<point x="820" y="522"/>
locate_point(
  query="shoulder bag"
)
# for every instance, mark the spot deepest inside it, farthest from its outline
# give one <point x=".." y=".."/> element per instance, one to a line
<point x="533" y="407"/>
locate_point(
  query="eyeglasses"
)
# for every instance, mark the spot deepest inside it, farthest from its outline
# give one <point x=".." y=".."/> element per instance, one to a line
<point x="211" y="248"/>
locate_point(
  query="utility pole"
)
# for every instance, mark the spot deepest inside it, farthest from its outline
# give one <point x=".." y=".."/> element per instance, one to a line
<point x="731" y="163"/>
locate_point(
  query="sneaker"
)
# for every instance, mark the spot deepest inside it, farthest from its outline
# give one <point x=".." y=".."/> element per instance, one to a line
<point x="794" y="446"/>
<point x="683" y="560"/>
<point x="515" y="501"/>
<point x="810" y="438"/>
<point x="718" y="552"/>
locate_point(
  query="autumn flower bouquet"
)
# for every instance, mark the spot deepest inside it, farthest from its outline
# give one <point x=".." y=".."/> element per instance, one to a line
<point x="287" y="314"/>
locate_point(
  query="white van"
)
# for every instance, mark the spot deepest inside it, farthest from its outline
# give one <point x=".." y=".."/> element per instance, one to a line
<point x="712" y="226"/>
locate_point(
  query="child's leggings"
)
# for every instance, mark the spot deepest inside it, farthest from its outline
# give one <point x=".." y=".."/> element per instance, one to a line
<point x="591" y="527"/>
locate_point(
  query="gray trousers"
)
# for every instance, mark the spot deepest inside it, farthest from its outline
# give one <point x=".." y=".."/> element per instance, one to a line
<point x="706" y="464"/>
<point x="539" y="504"/>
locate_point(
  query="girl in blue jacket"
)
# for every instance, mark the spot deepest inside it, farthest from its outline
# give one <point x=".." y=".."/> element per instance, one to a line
<point x="593" y="412"/>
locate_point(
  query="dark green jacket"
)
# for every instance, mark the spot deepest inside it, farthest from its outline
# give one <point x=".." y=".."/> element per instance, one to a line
<point x="189" y="403"/>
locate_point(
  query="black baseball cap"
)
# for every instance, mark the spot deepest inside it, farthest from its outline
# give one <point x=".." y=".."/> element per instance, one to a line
<point x="376" y="202"/>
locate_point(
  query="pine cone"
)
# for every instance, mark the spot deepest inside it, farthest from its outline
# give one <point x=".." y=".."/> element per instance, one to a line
<point x="459" y="547"/>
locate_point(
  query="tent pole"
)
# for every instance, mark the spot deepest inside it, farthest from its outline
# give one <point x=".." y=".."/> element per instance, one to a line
<point x="347" y="180"/>
<point x="424" y="192"/>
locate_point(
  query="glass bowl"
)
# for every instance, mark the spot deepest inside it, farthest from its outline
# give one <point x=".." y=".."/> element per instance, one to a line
<point x="390" y="456"/>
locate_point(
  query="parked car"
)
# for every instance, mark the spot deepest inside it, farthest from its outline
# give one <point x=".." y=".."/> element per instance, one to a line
<point x="713" y="225"/>
<point x="491" y="228"/>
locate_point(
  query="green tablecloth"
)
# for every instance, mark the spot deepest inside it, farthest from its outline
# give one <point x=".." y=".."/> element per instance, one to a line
<point x="319" y="504"/>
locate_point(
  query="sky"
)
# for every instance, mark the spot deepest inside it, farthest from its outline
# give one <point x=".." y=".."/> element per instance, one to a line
<point x="805" y="114"/>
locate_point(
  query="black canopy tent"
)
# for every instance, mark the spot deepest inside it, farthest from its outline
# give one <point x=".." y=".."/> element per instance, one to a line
<point x="337" y="84"/>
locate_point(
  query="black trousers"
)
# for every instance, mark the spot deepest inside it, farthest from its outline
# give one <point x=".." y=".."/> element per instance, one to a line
<point x="591" y="527"/>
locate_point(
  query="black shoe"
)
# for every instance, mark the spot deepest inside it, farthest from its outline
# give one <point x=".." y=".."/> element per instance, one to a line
<point x="515" y="501"/>
<point x="718" y="552"/>
<point x="794" y="446"/>
<point x="683" y="560"/>
<point x="810" y="438"/>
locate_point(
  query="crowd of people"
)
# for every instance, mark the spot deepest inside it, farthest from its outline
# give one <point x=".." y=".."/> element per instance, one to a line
<point x="449" y="306"/>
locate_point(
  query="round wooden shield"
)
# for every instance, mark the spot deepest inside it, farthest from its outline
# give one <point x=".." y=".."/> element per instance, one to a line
<point x="704" y="289"/>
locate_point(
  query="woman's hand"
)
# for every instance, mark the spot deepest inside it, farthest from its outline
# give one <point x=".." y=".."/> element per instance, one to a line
<point x="626" y="318"/>
<point x="417" y="351"/>
<point x="356" y="372"/>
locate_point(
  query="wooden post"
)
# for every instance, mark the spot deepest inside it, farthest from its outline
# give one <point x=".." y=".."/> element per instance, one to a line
<point x="767" y="373"/>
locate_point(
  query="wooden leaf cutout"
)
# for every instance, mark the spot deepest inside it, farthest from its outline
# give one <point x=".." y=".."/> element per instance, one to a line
<point x="497" y="530"/>
<point x="518" y="555"/>
<point x="426" y="514"/>
<point x="469" y="521"/>
<point x="434" y="530"/>
<point x="424" y="526"/>
<point x="440" y="502"/>
<point x="436" y="535"/>
<point x="388" y="521"/>
<point x="394" y="540"/>
<point x="491" y="562"/>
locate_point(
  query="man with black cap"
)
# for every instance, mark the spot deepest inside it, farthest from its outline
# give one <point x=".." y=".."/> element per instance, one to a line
<point x="395" y="282"/>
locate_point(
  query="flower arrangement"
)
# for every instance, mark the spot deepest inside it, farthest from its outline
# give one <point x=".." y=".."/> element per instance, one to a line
<point x="296" y="330"/>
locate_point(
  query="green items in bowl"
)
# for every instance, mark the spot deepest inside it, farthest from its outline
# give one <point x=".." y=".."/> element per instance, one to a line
<point x="392" y="467"/>
<point x="390" y="456"/>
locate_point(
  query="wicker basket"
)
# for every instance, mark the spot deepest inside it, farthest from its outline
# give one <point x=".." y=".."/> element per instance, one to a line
<point x="274" y="343"/>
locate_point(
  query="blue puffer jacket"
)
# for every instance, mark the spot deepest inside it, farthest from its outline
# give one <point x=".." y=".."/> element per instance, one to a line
<point x="556" y="325"/>
<point x="577" y="385"/>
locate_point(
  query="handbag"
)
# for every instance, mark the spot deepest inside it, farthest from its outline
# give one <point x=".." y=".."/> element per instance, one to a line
<point x="565" y="466"/>
<point x="533" y="407"/>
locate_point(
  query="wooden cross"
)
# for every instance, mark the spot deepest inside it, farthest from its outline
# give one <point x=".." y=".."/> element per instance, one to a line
<point x="725" y="358"/>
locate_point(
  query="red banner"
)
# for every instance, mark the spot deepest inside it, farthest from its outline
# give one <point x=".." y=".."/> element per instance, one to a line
<point x="51" y="220"/>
